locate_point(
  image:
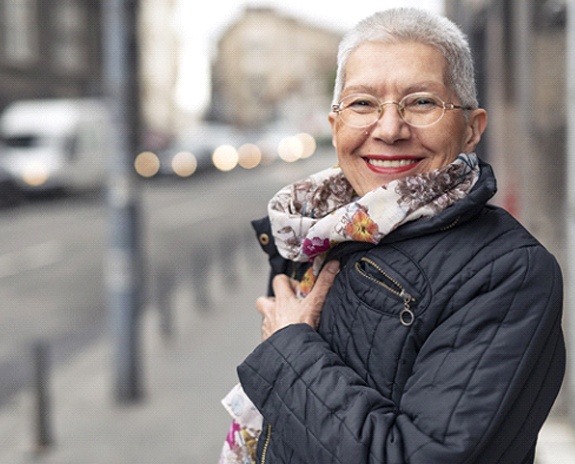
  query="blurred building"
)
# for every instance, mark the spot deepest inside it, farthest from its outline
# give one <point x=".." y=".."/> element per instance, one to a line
<point x="269" y="68"/>
<point x="53" y="49"/>
<point x="159" y="49"/>
<point x="520" y="47"/>
<point x="49" y="49"/>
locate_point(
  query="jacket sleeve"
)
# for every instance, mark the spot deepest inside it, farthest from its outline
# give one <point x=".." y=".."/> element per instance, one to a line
<point x="482" y="384"/>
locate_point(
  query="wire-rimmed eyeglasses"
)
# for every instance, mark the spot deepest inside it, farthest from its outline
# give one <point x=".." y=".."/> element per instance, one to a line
<point x="419" y="109"/>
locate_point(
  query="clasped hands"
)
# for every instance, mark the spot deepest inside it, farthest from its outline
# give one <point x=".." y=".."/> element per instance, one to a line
<point x="286" y="308"/>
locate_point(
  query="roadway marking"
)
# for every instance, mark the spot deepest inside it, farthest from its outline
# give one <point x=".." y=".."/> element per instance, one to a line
<point x="30" y="258"/>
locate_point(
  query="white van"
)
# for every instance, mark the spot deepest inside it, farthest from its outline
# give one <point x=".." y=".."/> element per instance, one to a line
<point x="55" y="144"/>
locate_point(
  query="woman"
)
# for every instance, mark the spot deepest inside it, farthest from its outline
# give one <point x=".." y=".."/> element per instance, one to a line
<point x="416" y="323"/>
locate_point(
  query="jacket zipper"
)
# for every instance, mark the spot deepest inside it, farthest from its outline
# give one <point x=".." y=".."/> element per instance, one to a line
<point x="451" y="225"/>
<point x="266" y="444"/>
<point x="406" y="316"/>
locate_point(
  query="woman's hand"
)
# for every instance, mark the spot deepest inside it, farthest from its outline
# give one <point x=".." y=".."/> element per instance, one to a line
<point x="286" y="308"/>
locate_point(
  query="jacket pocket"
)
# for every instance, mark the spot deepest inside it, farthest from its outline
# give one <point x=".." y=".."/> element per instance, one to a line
<point x="384" y="290"/>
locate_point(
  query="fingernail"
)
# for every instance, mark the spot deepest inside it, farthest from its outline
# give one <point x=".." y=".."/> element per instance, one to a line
<point x="333" y="266"/>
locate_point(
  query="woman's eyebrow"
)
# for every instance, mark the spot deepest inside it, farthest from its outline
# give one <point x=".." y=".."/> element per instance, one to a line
<point x="423" y="86"/>
<point x="360" y="89"/>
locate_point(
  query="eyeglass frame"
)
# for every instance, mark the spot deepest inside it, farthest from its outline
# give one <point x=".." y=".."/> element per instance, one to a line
<point x="336" y="108"/>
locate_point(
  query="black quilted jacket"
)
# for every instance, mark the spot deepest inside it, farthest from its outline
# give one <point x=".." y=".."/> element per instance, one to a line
<point x="441" y="345"/>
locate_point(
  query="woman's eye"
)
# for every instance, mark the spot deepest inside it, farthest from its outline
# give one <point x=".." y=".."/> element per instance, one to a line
<point x="421" y="102"/>
<point x="361" y="104"/>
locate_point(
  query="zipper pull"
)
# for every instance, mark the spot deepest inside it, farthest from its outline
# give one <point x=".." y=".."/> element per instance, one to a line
<point x="406" y="316"/>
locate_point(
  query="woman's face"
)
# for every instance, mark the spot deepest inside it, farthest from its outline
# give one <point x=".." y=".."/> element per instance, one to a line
<point x="390" y="149"/>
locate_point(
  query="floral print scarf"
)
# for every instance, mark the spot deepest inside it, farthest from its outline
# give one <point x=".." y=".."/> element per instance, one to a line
<point x="311" y="216"/>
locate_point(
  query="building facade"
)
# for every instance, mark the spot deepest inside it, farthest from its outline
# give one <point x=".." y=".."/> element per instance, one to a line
<point x="49" y="49"/>
<point x="159" y="49"/>
<point x="270" y="68"/>
<point x="520" y="49"/>
<point x="55" y="50"/>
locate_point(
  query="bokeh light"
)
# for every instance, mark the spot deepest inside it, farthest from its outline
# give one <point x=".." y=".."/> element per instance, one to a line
<point x="225" y="157"/>
<point x="290" y="149"/>
<point x="36" y="174"/>
<point x="147" y="164"/>
<point x="184" y="164"/>
<point x="249" y="156"/>
<point x="309" y="144"/>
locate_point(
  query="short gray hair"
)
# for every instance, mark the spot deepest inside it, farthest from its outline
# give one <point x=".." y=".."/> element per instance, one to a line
<point x="414" y="25"/>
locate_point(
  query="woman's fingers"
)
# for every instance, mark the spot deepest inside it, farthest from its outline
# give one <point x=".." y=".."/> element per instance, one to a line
<point x="287" y="308"/>
<point x="283" y="286"/>
<point x="325" y="281"/>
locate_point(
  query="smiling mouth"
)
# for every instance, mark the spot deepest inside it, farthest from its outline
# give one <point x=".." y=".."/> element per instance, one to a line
<point x="400" y="163"/>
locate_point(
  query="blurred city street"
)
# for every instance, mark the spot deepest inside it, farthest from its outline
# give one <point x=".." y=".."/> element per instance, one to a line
<point x="205" y="270"/>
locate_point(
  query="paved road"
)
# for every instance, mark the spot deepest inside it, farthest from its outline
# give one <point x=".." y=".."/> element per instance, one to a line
<point x="52" y="253"/>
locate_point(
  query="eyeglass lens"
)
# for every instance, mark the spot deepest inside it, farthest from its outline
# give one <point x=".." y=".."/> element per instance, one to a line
<point x="417" y="110"/>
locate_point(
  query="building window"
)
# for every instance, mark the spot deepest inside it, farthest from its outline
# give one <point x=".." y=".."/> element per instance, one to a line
<point x="20" y="31"/>
<point x="70" y="24"/>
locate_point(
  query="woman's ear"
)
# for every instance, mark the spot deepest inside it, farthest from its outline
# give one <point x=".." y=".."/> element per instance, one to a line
<point x="332" y="122"/>
<point x="331" y="118"/>
<point x="476" y="124"/>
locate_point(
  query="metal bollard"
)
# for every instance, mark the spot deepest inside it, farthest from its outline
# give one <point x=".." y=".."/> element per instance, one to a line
<point x="165" y="288"/>
<point x="201" y="262"/>
<point x="43" y="435"/>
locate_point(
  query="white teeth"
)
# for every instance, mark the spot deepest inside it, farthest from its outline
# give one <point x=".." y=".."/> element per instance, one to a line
<point x="390" y="163"/>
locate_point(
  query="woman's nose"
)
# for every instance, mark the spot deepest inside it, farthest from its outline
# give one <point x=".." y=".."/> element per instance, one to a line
<point x="390" y="127"/>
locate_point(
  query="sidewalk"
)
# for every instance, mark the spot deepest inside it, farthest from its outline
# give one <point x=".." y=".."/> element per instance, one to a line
<point x="556" y="442"/>
<point x="179" y="420"/>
